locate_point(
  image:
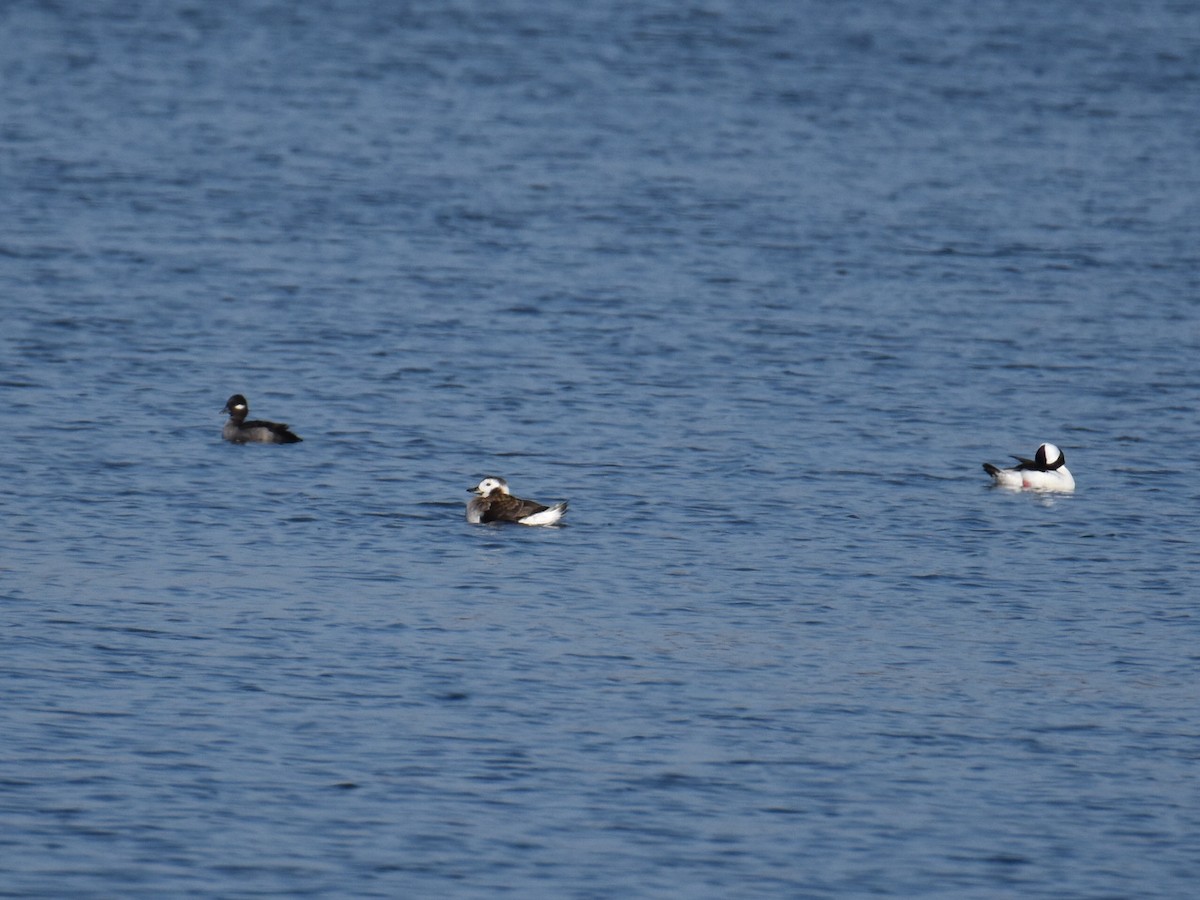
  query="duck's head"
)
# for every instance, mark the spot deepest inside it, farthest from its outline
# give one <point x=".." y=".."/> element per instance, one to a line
<point x="490" y="485"/>
<point x="235" y="404"/>
<point x="1049" y="457"/>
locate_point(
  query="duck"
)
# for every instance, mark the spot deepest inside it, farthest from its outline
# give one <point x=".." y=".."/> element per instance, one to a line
<point x="1047" y="471"/>
<point x="495" y="503"/>
<point x="238" y="431"/>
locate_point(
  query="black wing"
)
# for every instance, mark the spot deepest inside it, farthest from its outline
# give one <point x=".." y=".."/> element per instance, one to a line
<point x="510" y="509"/>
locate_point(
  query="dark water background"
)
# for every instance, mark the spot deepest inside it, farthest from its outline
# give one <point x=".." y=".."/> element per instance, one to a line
<point x="757" y="286"/>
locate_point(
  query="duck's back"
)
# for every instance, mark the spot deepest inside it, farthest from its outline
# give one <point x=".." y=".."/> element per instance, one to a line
<point x="258" y="432"/>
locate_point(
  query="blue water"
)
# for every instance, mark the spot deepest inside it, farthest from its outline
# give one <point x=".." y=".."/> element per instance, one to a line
<point x="757" y="286"/>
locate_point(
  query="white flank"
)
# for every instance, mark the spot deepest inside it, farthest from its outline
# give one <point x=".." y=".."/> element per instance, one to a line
<point x="546" y="516"/>
<point x="1058" y="480"/>
<point x="1017" y="479"/>
<point x="1009" y="478"/>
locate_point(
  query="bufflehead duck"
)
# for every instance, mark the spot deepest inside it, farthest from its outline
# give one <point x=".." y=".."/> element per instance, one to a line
<point x="239" y="431"/>
<point x="496" y="504"/>
<point x="1047" y="471"/>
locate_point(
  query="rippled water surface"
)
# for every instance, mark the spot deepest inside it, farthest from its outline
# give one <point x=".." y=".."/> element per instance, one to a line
<point x="757" y="287"/>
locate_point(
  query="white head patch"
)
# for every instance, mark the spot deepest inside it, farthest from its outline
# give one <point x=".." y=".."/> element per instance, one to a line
<point x="490" y="484"/>
<point x="1049" y="453"/>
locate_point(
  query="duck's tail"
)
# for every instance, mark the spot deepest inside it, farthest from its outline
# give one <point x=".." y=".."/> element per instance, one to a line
<point x="548" y="516"/>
